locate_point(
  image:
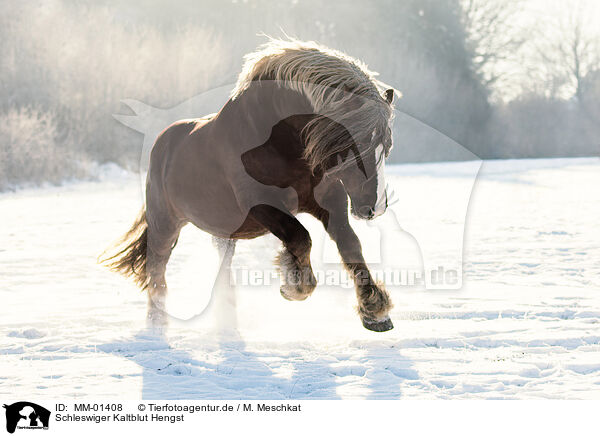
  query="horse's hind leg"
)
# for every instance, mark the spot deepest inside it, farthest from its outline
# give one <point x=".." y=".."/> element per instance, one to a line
<point x="162" y="236"/>
<point x="226" y="249"/>
<point x="223" y="286"/>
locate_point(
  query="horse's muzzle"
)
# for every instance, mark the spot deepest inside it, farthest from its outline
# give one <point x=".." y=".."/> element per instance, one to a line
<point x="363" y="213"/>
<point x="368" y="212"/>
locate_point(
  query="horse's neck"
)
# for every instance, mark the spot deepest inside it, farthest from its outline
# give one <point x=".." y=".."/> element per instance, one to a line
<point x="260" y="108"/>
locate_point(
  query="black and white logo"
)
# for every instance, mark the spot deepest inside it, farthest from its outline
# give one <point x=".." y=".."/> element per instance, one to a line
<point x="26" y="415"/>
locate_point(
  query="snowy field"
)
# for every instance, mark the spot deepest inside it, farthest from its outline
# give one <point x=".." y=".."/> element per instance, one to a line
<point x="526" y="323"/>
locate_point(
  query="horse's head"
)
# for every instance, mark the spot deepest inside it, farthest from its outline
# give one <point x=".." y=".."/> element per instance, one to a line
<point x="358" y="161"/>
<point x="364" y="182"/>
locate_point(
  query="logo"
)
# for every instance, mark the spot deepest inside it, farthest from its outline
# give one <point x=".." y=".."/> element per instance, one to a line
<point x="26" y="415"/>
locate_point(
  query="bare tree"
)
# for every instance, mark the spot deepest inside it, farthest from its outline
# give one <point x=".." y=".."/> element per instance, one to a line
<point x="574" y="52"/>
<point x="495" y="40"/>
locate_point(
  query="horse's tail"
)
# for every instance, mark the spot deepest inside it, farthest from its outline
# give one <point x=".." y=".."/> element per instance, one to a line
<point x="131" y="259"/>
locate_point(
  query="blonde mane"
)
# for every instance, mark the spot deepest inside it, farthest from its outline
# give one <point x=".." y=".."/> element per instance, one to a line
<point x="337" y="86"/>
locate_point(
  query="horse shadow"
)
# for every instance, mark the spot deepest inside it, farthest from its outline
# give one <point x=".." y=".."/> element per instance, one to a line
<point x="223" y="368"/>
<point x="387" y="370"/>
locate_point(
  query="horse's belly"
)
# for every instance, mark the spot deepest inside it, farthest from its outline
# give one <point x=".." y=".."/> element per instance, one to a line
<point x="213" y="209"/>
<point x="234" y="226"/>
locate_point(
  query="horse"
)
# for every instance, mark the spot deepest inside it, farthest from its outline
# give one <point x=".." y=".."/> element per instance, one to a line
<point x="305" y="129"/>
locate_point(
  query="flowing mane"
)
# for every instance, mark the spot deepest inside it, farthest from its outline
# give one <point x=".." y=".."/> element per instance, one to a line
<point x="338" y="87"/>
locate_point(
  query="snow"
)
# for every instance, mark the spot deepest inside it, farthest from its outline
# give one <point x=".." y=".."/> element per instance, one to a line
<point x="525" y="324"/>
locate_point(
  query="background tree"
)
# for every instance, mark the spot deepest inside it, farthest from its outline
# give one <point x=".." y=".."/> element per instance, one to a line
<point x="495" y="40"/>
<point x="570" y="50"/>
<point x="475" y="71"/>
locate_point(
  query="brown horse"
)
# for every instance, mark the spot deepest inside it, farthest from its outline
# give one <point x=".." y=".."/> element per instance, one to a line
<point x="305" y="128"/>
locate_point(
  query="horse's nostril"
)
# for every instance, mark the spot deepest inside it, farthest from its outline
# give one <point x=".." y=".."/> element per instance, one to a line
<point x="367" y="211"/>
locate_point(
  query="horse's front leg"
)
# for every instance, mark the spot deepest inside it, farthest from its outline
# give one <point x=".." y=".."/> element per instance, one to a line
<point x="297" y="278"/>
<point x="374" y="302"/>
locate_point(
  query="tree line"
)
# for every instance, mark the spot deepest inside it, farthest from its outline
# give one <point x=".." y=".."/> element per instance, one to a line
<point x="472" y="73"/>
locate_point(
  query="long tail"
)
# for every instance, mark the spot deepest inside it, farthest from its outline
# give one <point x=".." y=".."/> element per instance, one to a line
<point x="131" y="259"/>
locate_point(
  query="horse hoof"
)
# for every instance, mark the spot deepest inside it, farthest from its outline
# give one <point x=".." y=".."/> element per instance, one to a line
<point x="295" y="296"/>
<point x="378" y="325"/>
<point x="284" y="295"/>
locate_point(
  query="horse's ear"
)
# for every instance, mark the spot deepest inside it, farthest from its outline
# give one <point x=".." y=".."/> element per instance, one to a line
<point x="389" y="95"/>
